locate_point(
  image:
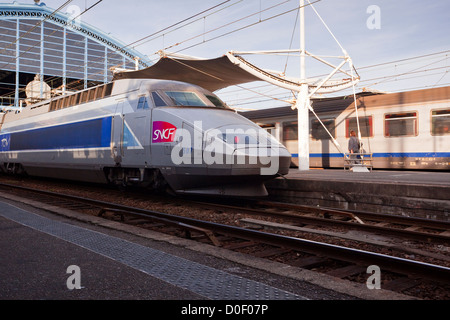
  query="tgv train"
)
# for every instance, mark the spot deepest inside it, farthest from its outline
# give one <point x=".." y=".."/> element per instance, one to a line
<point x="406" y="130"/>
<point x="154" y="133"/>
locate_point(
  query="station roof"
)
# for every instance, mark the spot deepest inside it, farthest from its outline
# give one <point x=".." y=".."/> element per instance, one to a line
<point x="17" y="10"/>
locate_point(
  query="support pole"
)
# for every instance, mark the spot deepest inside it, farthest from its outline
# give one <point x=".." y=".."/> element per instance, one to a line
<point x="302" y="103"/>
<point x="16" y="92"/>
<point x="302" y="106"/>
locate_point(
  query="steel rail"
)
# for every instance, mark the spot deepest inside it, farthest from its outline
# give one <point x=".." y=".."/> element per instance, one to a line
<point x="298" y="218"/>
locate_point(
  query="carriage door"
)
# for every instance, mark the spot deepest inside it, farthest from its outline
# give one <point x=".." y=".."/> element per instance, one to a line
<point x="117" y="133"/>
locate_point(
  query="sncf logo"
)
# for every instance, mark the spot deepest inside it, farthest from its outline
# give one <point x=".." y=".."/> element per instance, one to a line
<point x="163" y="132"/>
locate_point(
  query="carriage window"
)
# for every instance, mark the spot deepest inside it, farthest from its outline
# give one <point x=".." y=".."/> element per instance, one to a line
<point x="365" y="125"/>
<point x="99" y="93"/>
<point x="58" y="104"/>
<point x="53" y="105"/>
<point x="183" y="98"/>
<point x="142" y="103"/>
<point x="400" y="124"/>
<point x="91" y="95"/>
<point x="108" y="90"/>
<point x="65" y="102"/>
<point x="84" y="96"/>
<point x="290" y="131"/>
<point x="318" y="132"/>
<point x="77" y="98"/>
<point x="159" y="102"/>
<point x="440" y="122"/>
<point x="72" y="100"/>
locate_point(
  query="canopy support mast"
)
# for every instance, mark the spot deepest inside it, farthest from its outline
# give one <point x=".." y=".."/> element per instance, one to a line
<point x="303" y="101"/>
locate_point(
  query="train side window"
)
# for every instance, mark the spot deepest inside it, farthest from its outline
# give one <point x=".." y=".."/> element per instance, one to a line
<point x="142" y="103"/>
<point x="58" y="104"/>
<point x="108" y="90"/>
<point x="440" y="122"/>
<point x="99" y="93"/>
<point x="318" y="132"/>
<point x="400" y="124"/>
<point x="77" y="98"/>
<point x="159" y="102"/>
<point x="365" y="125"/>
<point x="84" y="96"/>
<point x="216" y="101"/>
<point x="65" y="102"/>
<point x="91" y="95"/>
<point x="72" y="100"/>
<point x="53" y="105"/>
<point x="290" y="131"/>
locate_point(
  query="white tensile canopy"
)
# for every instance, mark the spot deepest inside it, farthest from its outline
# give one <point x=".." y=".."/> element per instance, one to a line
<point x="218" y="73"/>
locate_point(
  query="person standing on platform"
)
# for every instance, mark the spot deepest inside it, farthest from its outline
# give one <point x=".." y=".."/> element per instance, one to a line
<point x="353" y="146"/>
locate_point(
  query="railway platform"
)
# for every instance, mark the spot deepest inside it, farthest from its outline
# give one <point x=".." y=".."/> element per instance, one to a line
<point x="412" y="193"/>
<point x="50" y="253"/>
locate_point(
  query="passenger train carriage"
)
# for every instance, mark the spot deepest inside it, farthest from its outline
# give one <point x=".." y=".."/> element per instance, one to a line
<point x="155" y="133"/>
<point x="406" y="130"/>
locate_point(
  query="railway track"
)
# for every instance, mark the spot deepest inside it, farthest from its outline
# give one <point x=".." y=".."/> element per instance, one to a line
<point x="299" y="215"/>
<point x="336" y="260"/>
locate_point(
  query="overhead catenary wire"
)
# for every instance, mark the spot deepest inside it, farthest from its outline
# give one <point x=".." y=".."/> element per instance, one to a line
<point x="267" y="19"/>
<point x="177" y="23"/>
<point x="235" y="30"/>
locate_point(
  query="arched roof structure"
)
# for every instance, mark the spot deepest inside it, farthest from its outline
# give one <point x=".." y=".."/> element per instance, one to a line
<point x="63" y="50"/>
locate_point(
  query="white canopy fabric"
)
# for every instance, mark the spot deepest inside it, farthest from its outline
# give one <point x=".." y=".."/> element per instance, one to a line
<point x="225" y="71"/>
<point x="211" y="74"/>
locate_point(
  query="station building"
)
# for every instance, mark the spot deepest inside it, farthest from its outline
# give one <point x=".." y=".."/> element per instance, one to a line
<point x="44" y="51"/>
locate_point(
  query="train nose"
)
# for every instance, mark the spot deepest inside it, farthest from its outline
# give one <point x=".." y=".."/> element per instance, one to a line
<point x="249" y="150"/>
<point x="266" y="161"/>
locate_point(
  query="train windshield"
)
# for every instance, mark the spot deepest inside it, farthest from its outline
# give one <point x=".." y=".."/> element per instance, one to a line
<point x="184" y="98"/>
<point x="193" y="99"/>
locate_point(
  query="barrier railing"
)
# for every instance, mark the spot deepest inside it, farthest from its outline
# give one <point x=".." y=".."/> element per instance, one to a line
<point x="358" y="160"/>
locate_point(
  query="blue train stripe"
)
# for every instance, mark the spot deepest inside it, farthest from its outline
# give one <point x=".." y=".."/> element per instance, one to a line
<point x="384" y="155"/>
<point x="94" y="133"/>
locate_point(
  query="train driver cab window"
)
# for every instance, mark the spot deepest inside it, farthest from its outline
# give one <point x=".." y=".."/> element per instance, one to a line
<point x="318" y="132"/>
<point x="185" y="98"/>
<point x="216" y="101"/>
<point x="142" y="104"/>
<point x="157" y="100"/>
<point x="400" y="124"/>
<point x="365" y="125"/>
<point x="440" y="122"/>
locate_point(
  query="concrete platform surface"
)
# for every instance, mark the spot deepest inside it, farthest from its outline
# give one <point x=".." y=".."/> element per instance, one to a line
<point x="403" y="177"/>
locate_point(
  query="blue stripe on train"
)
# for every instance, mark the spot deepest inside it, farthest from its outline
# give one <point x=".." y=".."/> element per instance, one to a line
<point x="94" y="133"/>
<point x="384" y="155"/>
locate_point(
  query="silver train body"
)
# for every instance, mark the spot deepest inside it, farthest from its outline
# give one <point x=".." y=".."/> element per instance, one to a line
<point x="153" y="133"/>
<point x="406" y="130"/>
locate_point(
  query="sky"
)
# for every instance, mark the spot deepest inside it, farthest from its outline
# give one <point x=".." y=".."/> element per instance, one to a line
<point x="395" y="46"/>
